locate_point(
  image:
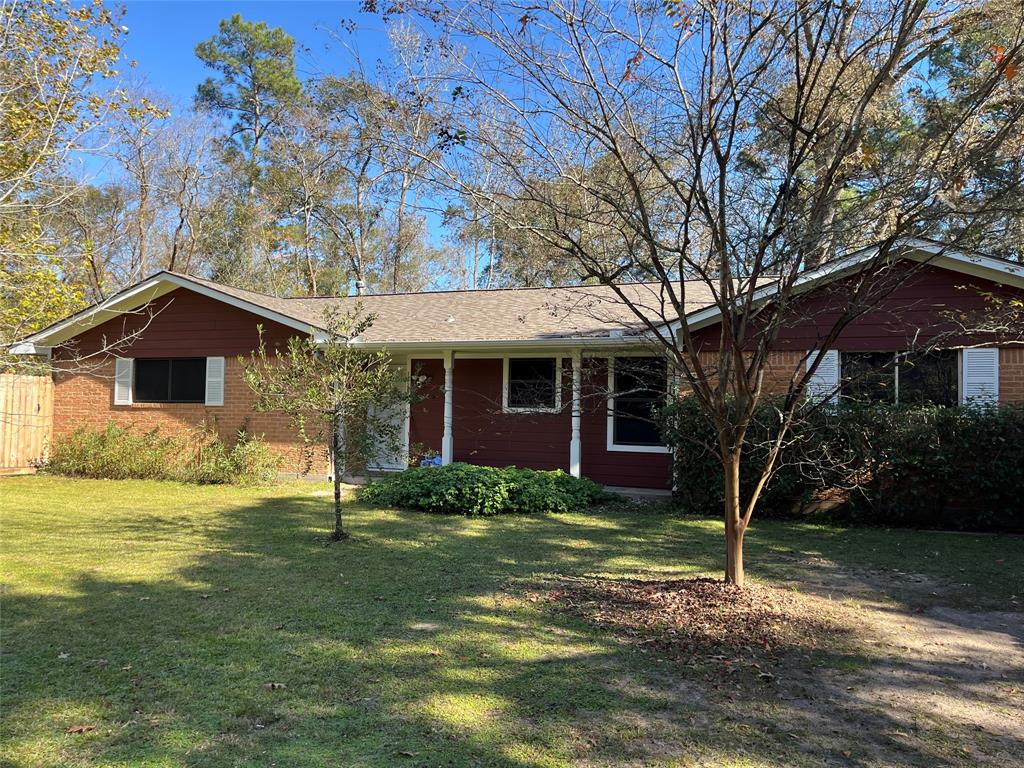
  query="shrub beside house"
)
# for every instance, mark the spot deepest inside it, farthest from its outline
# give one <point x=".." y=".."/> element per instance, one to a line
<point x="923" y="466"/>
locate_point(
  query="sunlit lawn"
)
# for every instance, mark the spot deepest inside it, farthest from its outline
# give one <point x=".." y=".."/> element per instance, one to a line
<point x="160" y="614"/>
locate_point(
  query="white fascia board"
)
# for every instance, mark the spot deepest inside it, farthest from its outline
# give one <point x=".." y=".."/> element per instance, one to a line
<point x="562" y="342"/>
<point x="141" y="294"/>
<point x="135" y="296"/>
<point x="986" y="267"/>
<point x="322" y="338"/>
<point x="30" y="349"/>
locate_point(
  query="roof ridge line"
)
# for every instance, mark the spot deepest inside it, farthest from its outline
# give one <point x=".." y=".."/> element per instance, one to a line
<point x="507" y="289"/>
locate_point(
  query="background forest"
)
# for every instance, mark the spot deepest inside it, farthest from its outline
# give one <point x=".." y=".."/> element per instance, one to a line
<point x="268" y="181"/>
<point x="297" y="185"/>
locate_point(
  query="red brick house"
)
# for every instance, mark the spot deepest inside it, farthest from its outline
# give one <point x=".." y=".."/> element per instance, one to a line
<point x="514" y="376"/>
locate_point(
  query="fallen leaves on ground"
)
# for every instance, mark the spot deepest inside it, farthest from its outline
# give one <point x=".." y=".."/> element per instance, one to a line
<point x="701" y="617"/>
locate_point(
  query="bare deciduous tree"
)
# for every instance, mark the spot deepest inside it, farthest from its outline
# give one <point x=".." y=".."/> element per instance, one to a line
<point x="738" y="143"/>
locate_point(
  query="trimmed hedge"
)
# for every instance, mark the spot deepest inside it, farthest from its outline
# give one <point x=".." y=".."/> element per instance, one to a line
<point x="467" y="489"/>
<point x="197" y="456"/>
<point x="919" y="466"/>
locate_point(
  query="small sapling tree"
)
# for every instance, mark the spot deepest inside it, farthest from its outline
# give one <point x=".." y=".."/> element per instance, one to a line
<point x="334" y="391"/>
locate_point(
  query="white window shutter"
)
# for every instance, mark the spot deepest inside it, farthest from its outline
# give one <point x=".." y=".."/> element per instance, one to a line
<point x="123" y="381"/>
<point x="980" y="376"/>
<point x="824" y="384"/>
<point x="215" y="381"/>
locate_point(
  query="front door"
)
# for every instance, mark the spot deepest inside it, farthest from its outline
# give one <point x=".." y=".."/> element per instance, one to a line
<point x="393" y="458"/>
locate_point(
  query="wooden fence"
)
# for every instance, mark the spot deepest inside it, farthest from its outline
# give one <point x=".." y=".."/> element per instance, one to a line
<point x="26" y="421"/>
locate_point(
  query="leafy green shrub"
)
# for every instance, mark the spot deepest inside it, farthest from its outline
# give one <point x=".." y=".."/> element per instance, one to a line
<point x="113" y="453"/>
<point x="252" y="460"/>
<point x="927" y="466"/>
<point x="921" y="466"/>
<point x="698" y="471"/>
<point x="466" y="489"/>
<point x="197" y="456"/>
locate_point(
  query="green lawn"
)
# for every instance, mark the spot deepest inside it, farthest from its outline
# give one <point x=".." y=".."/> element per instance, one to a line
<point x="159" y="613"/>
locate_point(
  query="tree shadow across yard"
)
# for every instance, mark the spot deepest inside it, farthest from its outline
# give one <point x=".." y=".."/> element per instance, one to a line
<point x="418" y="643"/>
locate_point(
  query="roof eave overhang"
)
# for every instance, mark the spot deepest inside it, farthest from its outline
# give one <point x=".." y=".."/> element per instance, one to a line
<point x="28" y="349"/>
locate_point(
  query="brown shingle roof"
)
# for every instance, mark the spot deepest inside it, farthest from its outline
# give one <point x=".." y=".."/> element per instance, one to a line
<point x="493" y="316"/>
<point x="512" y="314"/>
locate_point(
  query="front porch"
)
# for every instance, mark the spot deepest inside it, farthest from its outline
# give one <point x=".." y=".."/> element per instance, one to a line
<point x="538" y="407"/>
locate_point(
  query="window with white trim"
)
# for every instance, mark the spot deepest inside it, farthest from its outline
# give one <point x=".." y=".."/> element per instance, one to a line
<point x="910" y="378"/>
<point x="169" y="380"/>
<point x="639" y="388"/>
<point x="531" y="384"/>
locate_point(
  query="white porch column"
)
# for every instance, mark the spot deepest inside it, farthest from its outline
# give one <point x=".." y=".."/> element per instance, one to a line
<point x="575" y="460"/>
<point x="447" y="442"/>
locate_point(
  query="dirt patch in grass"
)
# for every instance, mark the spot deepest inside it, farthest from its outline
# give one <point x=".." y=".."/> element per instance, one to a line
<point x="847" y="673"/>
<point x="704" y="618"/>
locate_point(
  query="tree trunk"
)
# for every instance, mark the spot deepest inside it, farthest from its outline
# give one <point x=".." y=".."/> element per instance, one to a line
<point x="307" y="225"/>
<point x="338" y="462"/>
<point x="734" y="528"/>
<point x="399" y="255"/>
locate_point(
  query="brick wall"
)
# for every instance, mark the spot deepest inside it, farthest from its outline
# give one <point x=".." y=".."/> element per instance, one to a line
<point x="87" y="399"/>
<point x="781" y="366"/>
<point x="778" y="372"/>
<point x="1011" y="375"/>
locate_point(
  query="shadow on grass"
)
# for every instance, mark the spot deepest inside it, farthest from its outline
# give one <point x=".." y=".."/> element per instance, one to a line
<point x="411" y="644"/>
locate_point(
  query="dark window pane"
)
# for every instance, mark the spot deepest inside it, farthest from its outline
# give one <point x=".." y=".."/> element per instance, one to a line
<point x="640" y="386"/>
<point x="188" y="380"/>
<point x="151" y="381"/>
<point x="634" y="423"/>
<point x="868" y="377"/>
<point x="929" y="378"/>
<point x="177" y="380"/>
<point x="531" y="382"/>
<point x="640" y="377"/>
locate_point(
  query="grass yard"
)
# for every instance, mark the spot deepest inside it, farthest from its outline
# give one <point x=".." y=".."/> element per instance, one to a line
<point x="208" y="626"/>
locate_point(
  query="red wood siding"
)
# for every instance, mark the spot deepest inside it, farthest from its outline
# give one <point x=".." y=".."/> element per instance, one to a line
<point x="630" y="470"/>
<point x="426" y="415"/>
<point x="486" y="436"/>
<point x="183" y="324"/>
<point x="914" y="313"/>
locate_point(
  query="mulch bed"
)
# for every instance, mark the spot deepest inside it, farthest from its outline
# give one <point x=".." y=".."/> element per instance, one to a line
<point x="702" y="618"/>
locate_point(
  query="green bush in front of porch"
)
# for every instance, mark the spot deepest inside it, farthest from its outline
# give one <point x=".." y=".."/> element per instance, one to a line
<point x="467" y="489"/>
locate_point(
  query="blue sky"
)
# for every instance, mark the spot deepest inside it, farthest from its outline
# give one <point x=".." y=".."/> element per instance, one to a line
<point x="163" y="34"/>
